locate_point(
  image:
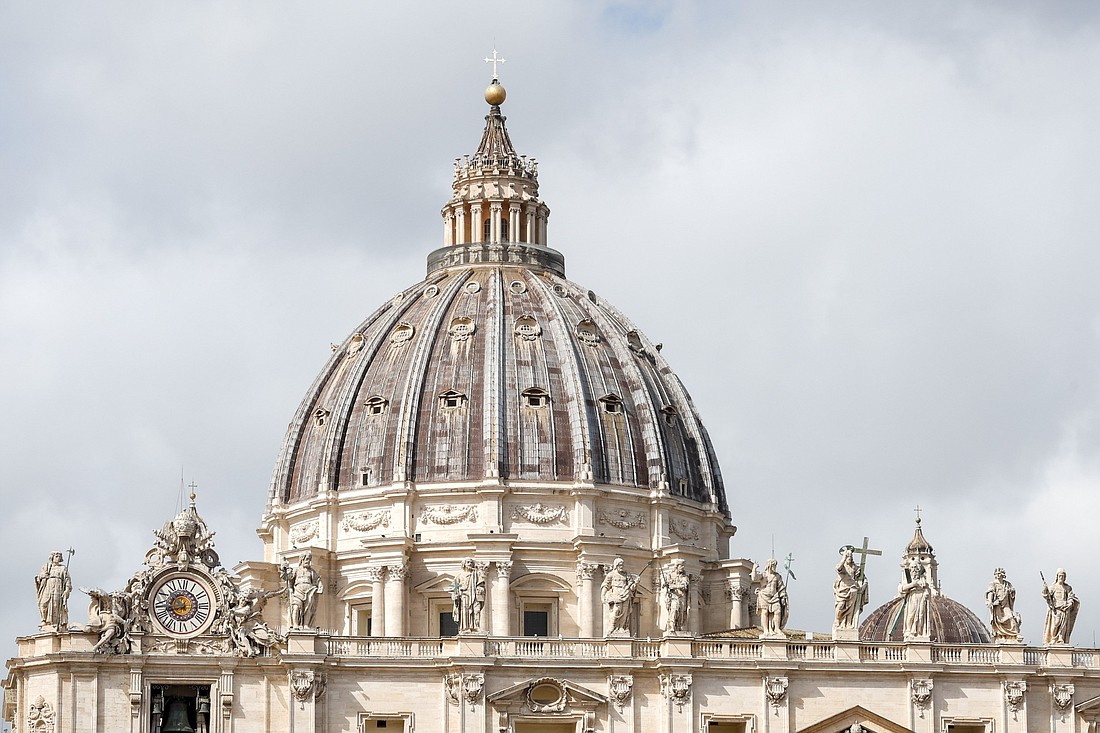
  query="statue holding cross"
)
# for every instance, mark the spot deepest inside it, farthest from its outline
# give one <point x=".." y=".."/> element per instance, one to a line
<point x="850" y="589"/>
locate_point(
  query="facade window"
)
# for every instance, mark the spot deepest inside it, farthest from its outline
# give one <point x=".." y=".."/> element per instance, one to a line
<point x="447" y="624"/>
<point x="360" y="621"/>
<point x="364" y="476"/>
<point x="451" y="400"/>
<point x="504" y="230"/>
<point x="536" y="397"/>
<point x="536" y="619"/>
<point x="682" y="487"/>
<point x="376" y="405"/>
<point x="488" y="229"/>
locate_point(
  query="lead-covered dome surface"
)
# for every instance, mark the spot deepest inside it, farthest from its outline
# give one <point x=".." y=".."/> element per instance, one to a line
<point x="952" y="623"/>
<point x="497" y="372"/>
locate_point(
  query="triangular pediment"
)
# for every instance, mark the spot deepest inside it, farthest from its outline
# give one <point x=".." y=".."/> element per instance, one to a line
<point x="1092" y="705"/>
<point x="842" y="722"/>
<point x="518" y="693"/>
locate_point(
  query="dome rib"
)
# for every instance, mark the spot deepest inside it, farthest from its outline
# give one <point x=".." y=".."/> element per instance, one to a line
<point x="495" y="462"/>
<point x="652" y="439"/>
<point x="579" y="395"/>
<point x="415" y="381"/>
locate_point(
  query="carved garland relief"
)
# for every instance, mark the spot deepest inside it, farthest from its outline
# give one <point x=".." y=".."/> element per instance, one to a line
<point x="621" y="518"/>
<point x="684" y="529"/>
<point x="449" y="514"/>
<point x="366" y="521"/>
<point x="303" y="533"/>
<point x="540" y="513"/>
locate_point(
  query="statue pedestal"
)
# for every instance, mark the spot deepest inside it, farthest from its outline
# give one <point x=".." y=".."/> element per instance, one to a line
<point x="845" y="634"/>
<point x="919" y="651"/>
<point x="677" y="645"/>
<point x="1060" y="655"/>
<point x="302" y="641"/>
<point x="471" y="644"/>
<point x="773" y="647"/>
<point x="620" y="648"/>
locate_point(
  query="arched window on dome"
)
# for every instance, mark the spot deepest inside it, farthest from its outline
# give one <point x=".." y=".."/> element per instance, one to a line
<point x="451" y="400"/>
<point x="536" y="397"/>
<point x="376" y="405"/>
<point x="612" y="404"/>
<point x="670" y="415"/>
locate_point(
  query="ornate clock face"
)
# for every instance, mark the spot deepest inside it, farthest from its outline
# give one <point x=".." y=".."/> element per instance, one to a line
<point x="182" y="606"/>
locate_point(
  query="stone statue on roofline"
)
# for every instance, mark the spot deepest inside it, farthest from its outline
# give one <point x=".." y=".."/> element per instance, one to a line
<point x="619" y="593"/>
<point x="772" y="602"/>
<point x="917" y="591"/>
<point x="1000" y="599"/>
<point x="468" y="596"/>
<point x="53" y="586"/>
<point x="849" y="593"/>
<point x="1062" y="606"/>
<point x="303" y="585"/>
<point x="675" y="599"/>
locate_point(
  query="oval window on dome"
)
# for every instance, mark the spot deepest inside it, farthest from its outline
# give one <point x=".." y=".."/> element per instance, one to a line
<point x="402" y="334"/>
<point x="588" y="334"/>
<point x="472" y="287"/>
<point x="461" y="328"/>
<point x="527" y="328"/>
<point x="356" y="344"/>
<point x="518" y="287"/>
<point x="431" y="291"/>
<point x="560" y="291"/>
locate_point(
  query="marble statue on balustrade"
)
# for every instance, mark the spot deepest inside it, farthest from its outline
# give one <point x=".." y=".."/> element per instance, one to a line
<point x="772" y="602"/>
<point x="53" y="586"/>
<point x="111" y="617"/>
<point x="247" y="634"/>
<point x="675" y="598"/>
<point x="468" y="595"/>
<point x="850" y="594"/>
<point x="619" y="594"/>
<point x="1000" y="599"/>
<point x="303" y="585"/>
<point x="1062" y="607"/>
<point x="917" y="592"/>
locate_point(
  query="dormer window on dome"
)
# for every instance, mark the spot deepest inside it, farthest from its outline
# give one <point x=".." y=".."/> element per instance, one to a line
<point x="451" y="400"/>
<point x="612" y="404"/>
<point x="535" y="397"/>
<point x="376" y="405"/>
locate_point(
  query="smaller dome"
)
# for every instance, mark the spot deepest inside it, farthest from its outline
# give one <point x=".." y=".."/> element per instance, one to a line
<point x="495" y="94"/>
<point x="952" y="623"/>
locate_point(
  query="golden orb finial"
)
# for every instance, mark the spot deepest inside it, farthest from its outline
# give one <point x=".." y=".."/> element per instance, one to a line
<point x="495" y="94"/>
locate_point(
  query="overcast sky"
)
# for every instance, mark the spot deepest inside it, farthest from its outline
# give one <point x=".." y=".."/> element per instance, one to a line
<point x="865" y="232"/>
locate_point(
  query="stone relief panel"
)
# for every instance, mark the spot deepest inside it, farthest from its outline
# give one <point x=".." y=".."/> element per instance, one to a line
<point x="446" y="514"/>
<point x="677" y="688"/>
<point x="622" y="518"/>
<point x="685" y="529"/>
<point x="40" y="717"/>
<point x="301" y="534"/>
<point x="539" y="513"/>
<point x="366" y="521"/>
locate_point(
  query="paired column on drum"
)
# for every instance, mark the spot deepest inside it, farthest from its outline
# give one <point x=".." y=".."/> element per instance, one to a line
<point x="498" y="602"/>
